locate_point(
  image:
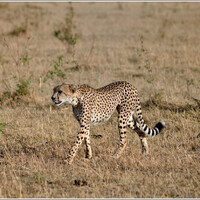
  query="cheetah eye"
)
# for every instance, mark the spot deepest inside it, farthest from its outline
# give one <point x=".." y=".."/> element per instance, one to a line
<point x="59" y="92"/>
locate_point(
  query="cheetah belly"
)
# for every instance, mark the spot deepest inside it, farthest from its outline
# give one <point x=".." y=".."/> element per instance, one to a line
<point x="99" y="118"/>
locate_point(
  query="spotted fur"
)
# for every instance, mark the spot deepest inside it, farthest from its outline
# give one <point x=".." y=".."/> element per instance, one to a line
<point x="95" y="106"/>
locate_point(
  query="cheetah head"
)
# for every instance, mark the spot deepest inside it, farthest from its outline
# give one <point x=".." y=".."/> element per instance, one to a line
<point x="65" y="93"/>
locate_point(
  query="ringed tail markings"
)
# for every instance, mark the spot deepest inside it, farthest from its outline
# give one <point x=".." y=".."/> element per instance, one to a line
<point x="143" y="126"/>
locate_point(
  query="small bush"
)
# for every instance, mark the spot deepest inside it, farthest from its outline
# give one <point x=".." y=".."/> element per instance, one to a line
<point x="65" y="32"/>
<point x="25" y="59"/>
<point x="56" y="70"/>
<point x="19" y="30"/>
<point x="23" y="88"/>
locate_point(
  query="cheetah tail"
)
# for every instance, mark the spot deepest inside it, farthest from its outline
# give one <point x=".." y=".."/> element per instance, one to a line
<point x="144" y="128"/>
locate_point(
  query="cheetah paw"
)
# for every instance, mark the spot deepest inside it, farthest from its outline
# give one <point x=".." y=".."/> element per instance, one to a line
<point x="115" y="155"/>
<point x="68" y="160"/>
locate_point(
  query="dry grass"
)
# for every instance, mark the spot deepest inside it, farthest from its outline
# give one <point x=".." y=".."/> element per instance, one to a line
<point x="151" y="45"/>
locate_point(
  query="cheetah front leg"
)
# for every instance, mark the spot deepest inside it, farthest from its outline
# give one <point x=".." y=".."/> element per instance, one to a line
<point x="83" y="134"/>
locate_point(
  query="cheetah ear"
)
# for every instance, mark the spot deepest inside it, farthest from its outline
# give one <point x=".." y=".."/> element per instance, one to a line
<point x="73" y="88"/>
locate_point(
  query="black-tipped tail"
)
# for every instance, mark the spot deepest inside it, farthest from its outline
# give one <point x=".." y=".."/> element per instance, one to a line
<point x="153" y="132"/>
<point x="158" y="127"/>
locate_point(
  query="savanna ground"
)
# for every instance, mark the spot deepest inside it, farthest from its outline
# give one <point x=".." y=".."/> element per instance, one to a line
<point x="154" y="46"/>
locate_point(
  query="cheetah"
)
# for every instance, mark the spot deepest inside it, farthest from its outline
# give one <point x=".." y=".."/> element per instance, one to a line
<point x="95" y="106"/>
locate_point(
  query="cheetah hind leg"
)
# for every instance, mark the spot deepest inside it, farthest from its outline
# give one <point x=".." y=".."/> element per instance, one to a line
<point x="122" y="132"/>
<point x="133" y="125"/>
<point x="88" y="148"/>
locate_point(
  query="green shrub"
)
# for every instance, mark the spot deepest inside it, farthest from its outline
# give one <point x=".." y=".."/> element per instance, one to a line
<point x="23" y="88"/>
<point x="65" y="33"/>
<point x="56" y="70"/>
